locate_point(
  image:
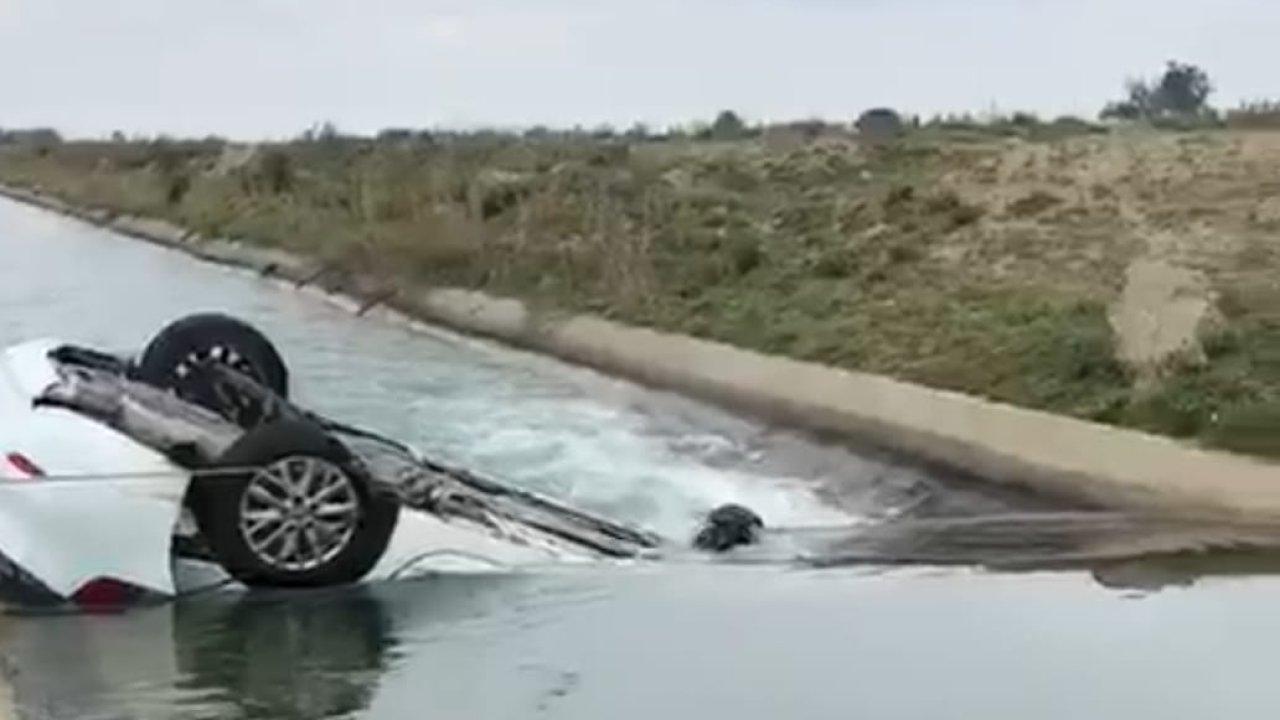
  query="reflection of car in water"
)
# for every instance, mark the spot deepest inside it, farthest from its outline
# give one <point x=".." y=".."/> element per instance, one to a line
<point x="271" y="654"/>
<point x="194" y="445"/>
<point x="284" y="656"/>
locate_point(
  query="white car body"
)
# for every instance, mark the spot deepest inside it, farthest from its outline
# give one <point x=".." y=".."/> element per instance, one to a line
<point x="81" y="502"/>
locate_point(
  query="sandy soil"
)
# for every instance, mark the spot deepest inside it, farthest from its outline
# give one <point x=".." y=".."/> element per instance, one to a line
<point x="1156" y="222"/>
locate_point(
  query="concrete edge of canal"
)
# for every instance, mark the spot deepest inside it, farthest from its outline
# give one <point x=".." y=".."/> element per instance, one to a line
<point x="1001" y="443"/>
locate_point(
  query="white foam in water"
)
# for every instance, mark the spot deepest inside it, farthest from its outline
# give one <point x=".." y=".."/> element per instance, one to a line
<point x="601" y="457"/>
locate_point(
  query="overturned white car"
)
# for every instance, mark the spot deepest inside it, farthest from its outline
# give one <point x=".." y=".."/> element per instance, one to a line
<point x="117" y="472"/>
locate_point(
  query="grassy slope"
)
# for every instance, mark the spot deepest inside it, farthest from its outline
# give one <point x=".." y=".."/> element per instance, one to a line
<point x="969" y="263"/>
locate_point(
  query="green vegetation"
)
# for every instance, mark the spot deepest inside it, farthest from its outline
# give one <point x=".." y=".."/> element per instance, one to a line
<point x="1181" y="92"/>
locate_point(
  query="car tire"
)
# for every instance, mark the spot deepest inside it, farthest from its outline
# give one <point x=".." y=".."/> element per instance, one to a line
<point x="273" y="482"/>
<point x="179" y="357"/>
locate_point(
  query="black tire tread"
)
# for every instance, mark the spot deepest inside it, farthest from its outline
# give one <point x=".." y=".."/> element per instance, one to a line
<point x="178" y="338"/>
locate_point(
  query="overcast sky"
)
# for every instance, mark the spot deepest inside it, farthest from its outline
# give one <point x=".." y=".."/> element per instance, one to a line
<point x="255" y="68"/>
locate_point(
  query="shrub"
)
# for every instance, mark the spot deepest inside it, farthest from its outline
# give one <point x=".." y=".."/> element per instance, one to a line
<point x="177" y="187"/>
<point x="880" y="125"/>
<point x="1182" y="90"/>
<point x="1250" y="428"/>
<point x="746" y="255"/>
<point x="728" y="126"/>
<point x="277" y="171"/>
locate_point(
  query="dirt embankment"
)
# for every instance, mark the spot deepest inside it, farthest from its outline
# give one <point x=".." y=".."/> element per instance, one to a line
<point x="1126" y="278"/>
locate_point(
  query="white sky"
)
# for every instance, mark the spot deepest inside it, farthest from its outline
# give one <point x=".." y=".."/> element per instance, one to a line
<point x="254" y="68"/>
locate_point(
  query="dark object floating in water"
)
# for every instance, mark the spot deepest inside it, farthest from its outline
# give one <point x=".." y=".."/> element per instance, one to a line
<point x="727" y="527"/>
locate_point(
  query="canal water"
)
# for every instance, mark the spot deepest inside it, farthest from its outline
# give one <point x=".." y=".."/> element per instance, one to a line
<point x="680" y="640"/>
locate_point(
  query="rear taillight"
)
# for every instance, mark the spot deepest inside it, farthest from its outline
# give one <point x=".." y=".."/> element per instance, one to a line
<point x="24" y="465"/>
<point x="105" y="594"/>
